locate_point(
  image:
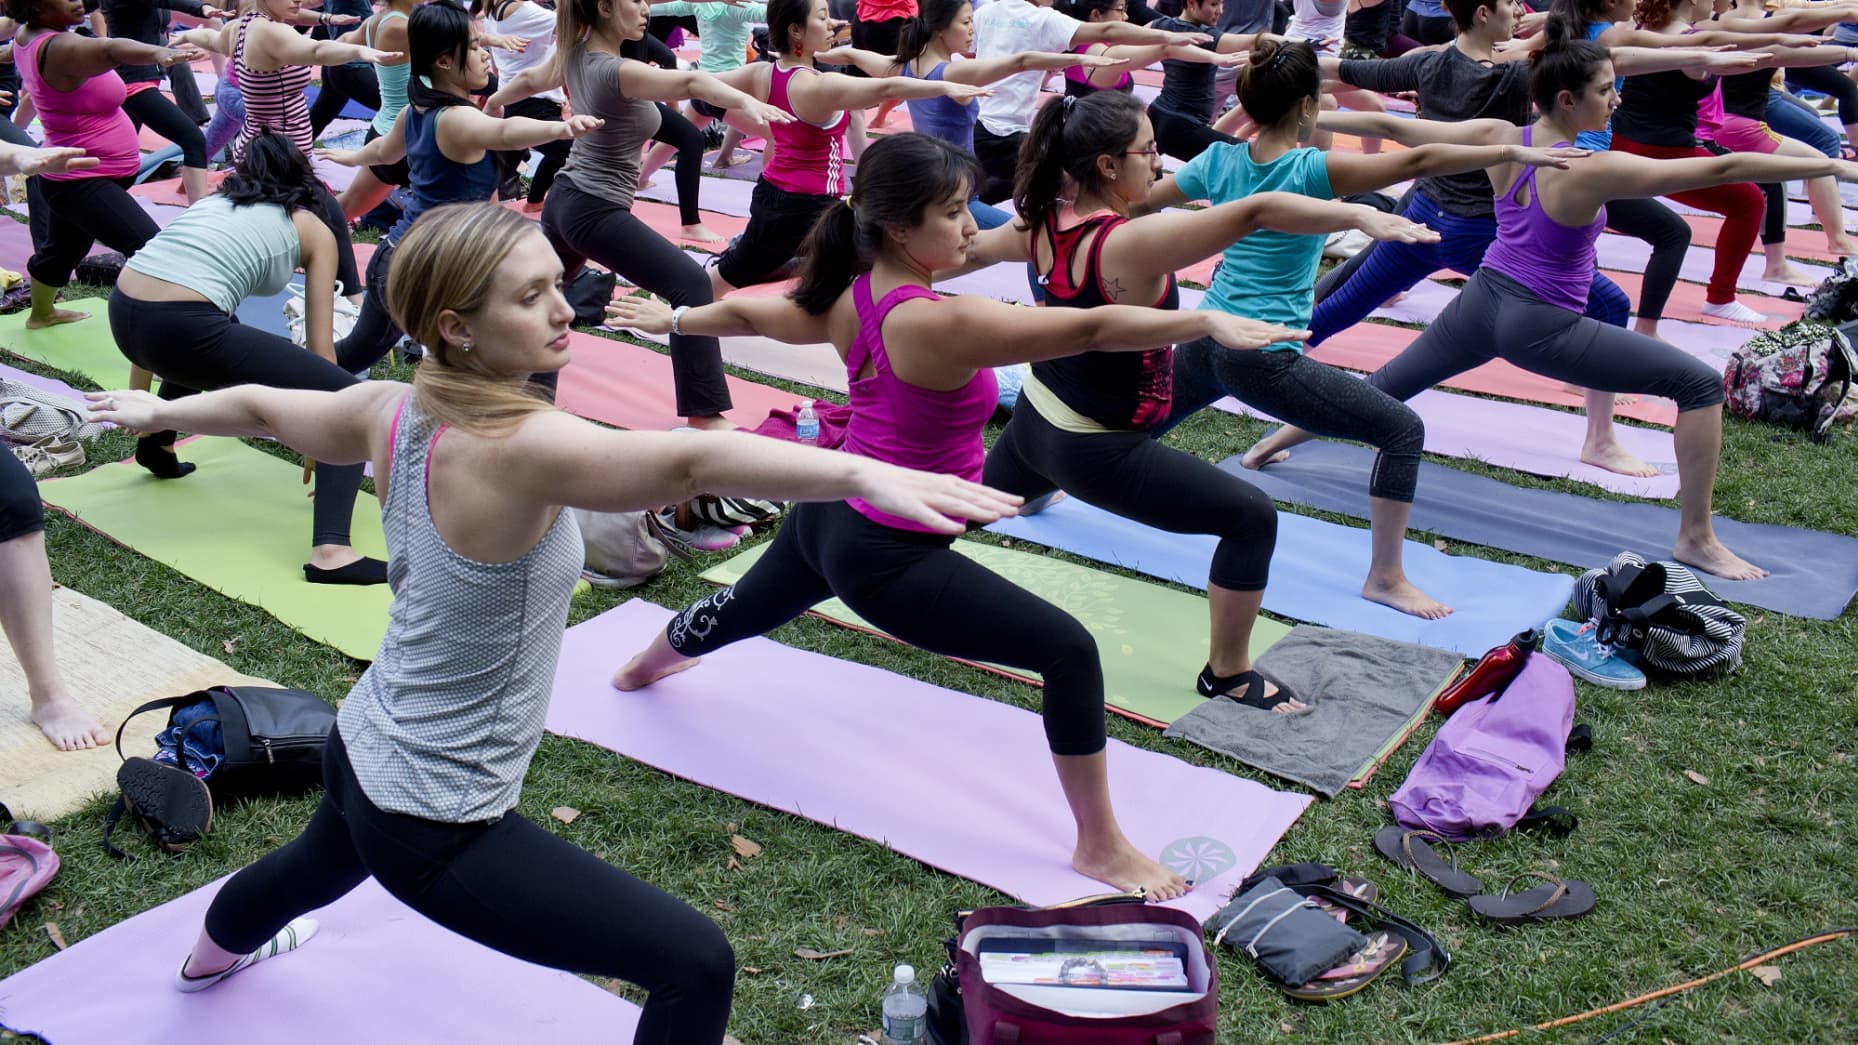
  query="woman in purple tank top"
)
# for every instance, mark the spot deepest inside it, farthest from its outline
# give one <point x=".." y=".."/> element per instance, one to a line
<point x="922" y="389"/>
<point x="1524" y="303"/>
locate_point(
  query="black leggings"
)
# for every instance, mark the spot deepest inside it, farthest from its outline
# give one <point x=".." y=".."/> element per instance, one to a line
<point x="375" y="332"/>
<point x="1827" y="79"/>
<point x="1182" y="136"/>
<point x="676" y="131"/>
<point x="1310" y="395"/>
<point x="580" y="226"/>
<point x="504" y="883"/>
<point x="80" y="212"/>
<point x="1427" y="31"/>
<point x="356" y="81"/>
<point x="194" y="347"/>
<point x="186" y="90"/>
<point x="1132" y="475"/>
<point x="21" y="514"/>
<point x="1774" y="218"/>
<point x="1669" y="236"/>
<point x="554" y="154"/>
<point x="916" y="587"/>
<point x="778" y="224"/>
<point x="1496" y="317"/>
<point x="152" y="109"/>
<point x="347" y="274"/>
<point x="999" y="156"/>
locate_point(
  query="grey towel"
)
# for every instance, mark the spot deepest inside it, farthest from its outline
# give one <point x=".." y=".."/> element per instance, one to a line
<point x="1364" y="691"/>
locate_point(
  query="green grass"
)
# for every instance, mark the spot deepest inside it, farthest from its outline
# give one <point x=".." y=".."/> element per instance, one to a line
<point x="1691" y="877"/>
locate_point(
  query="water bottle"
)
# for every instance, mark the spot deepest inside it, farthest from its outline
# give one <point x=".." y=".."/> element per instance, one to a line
<point x="806" y="425"/>
<point x="906" y="1010"/>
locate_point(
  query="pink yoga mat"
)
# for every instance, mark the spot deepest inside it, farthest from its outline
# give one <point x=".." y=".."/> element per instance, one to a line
<point x="1529" y="439"/>
<point x="629" y="386"/>
<point x="870" y="752"/>
<point x="375" y="972"/>
<point x="1800" y="242"/>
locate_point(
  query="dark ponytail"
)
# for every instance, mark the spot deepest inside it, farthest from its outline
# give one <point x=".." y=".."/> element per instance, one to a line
<point x="932" y="16"/>
<point x="1565" y="63"/>
<point x="899" y="177"/>
<point x="1277" y="79"/>
<point x="437" y="29"/>
<point x="1066" y="138"/>
<point x="273" y="170"/>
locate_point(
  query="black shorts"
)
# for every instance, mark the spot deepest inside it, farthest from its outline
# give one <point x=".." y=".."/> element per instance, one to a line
<point x="778" y="224"/>
<point x="713" y="111"/>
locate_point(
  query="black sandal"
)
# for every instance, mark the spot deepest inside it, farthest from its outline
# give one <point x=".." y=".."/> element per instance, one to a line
<point x="1211" y="685"/>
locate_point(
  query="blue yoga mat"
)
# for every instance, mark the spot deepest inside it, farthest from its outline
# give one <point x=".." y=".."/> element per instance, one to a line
<point x="1316" y="575"/>
<point x="351" y="110"/>
<point x="267" y="313"/>
<point x="1814" y="574"/>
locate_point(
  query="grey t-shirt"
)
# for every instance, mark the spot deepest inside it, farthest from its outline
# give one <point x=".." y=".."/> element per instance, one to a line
<point x="605" y="162"/>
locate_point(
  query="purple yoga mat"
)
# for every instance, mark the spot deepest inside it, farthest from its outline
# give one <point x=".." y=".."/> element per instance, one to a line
<point x="722" y="195"/>
<point x="375" y="972"/>
<point x="958" y="782"/>
<point x="1625" y="254"/>
<point x="44" y="384"/>
<point x="1529" y="439"/>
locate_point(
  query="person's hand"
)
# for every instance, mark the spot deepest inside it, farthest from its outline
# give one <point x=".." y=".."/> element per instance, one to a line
<point x="647" y="315"/>
<point x="1227" y="61"/>
<point x="1393" y="228"/>
<point x="1798" y="40"/>
<point x="341" y="19"/>
<point x="962" y="92"/>
<point x="1238" y="332"/>
<point x="374" y="57"/>
<point x="765" y="114"/>
<point x="1096" y="61"/>
<point x="340" y="157"/>
<point x="135" y="411"/>
<point x="6" y="98"/>
<point x="933" y="499"/>
<point x="1845" y="170"/>
<point x="575" y="126"/>
<point x="504" y="41"/>
<point x="1187" y="39"/>
<point x="1741" y="60"/>
<point x="168" y="56"/>
<point x="1558" y="157"/>
<point x="209" y="11"/>
<point x="52" y="161"/>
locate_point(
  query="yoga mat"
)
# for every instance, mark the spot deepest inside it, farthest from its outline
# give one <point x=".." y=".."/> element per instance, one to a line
<point x="15" y="244"/>
<point x="1801" y="243"/>
<point x="374" y="972"/>
<point x="351" y="110"/>
<point x="110" y="664"/>
<point x="716" y="194"/>
<point x="1529" y="439"/>
<point x="85" y="348"/>
<point x="629" y="386"/>
<point x="866" y="751"/>
<point x="1316" y="575"/>
<point x="239" y="525"/>
<point x="1367" y="696"/>
<point x="1616" y="253"/>
<point x="1814" y="574"/>
<point x="43" y="384"/>
<point x="815" y="365"/>
<point x="1153" y="640"/>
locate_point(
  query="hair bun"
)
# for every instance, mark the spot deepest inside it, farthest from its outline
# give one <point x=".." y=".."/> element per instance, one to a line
<point x="1264" y="50"/>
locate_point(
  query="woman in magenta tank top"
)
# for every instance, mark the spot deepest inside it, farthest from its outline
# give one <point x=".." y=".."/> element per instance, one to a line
<point x="1524" y="303"/>
<point x="73" y="81"/>
<point x="806" y="169"/>
<point x="922" y="389"/>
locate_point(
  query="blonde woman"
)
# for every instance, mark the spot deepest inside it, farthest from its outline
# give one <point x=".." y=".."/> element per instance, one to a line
<point x="425" y="766"/>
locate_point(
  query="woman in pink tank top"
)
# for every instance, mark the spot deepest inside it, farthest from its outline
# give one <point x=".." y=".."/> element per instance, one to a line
<point x="73" y="81"/>
<point x="922" y="389"/>
<point x="806" y="170"/>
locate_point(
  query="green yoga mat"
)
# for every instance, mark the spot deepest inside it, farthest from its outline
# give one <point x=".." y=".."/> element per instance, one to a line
<point x="240" y="525"/>
<point x="86" y="347"/>
<point x="1153" y="640"/>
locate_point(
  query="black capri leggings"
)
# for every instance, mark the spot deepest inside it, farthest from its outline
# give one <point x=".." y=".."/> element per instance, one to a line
<point x="554" y="154"/>
<point x="80" y="212"/>
<point x="1496" y="317"/>
<point x="356" y="80"/>
<point x="1131" y="474"/>
<point x="680" y="133"/>
<point x="778" y="224"/>
<point x="194" y="347"/>
<point x="1669" y="236"/>
<point x="21" y="514"/>
<point x="152" y="109"/>
<point x="1827" y="79"/>
<point x="1313" y="396"/>
<point x="1182" y="136"/>
<point x="504" y="883"/>
<point x="580" y="226"/>
<point x="916" y="587"/>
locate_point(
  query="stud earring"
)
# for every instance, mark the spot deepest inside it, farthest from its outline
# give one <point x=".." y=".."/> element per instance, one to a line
<point x="465" y="347"/>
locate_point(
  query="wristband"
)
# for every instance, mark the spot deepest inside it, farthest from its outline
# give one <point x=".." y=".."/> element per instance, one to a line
<point x="677" y="319"/>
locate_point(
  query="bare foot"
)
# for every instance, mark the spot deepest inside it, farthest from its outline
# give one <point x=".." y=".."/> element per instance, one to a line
<point x="1251" y="459"/>
<point x="1844" y="246"/>
<point x="1039" y="504"/>
<point x="699" y="234"/>
<point x="1395" y="300"/>
<point x="1619" y="398"/>
<point x="1124" y="867"/>
<point x="58" y="316"/>
<point x="1788" y="272"/>
<point x="1402" y="595"/>
<point x="1712" y="558"/>
<point x="1615" y="458"/>
<point x="724" y="161"/>
<point x="635" y="676"/>
<point x="68" y="726"/>
<point x="533" y="208"/>
<point x="713" y="423"/>
<point x="1286" y="707"/>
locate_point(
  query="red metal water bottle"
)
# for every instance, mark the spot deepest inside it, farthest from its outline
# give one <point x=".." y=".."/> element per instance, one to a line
<point x="1489" y="675"/>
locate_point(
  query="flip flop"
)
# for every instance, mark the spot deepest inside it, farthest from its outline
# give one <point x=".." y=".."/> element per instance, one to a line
<point x="1359" y="888"/>
<point x="167" y="795"/>
<point x="1383" y="951"/>
<point x="1554" y="899"/>
<point x="1413" y="851"/>
<point x="1211" y="685"/>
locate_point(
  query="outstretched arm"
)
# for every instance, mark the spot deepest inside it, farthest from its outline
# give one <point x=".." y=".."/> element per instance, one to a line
<point x="1617" y="175"/>
<point x="639" y="80"/>
<point x="1416" y="132"/>
<point x="973" y="332"/>
<point x="1351" y="173"/>
<point x="21" y="159"/>
<point x="331" y="427"/>
<point x="1160" y="243"/>
<point x="776" y="318"/>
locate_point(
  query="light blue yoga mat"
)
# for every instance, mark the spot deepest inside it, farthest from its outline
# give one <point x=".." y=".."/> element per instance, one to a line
<point x="1316" y="575"/>
<point x="1814" y="574"/>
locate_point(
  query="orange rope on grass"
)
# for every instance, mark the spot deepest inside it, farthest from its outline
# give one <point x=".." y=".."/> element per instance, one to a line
<point x="1811" y="941"/>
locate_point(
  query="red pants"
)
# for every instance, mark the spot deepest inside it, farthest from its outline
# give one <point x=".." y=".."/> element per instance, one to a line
<point x="1741" y="206"/>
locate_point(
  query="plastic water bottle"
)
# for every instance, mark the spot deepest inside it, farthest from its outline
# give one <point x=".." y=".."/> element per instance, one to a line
<point x="906" y="1010"/>
<point x="806" y="425"/>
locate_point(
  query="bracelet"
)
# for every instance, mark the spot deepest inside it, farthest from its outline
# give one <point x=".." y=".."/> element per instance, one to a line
<point x="322" y="18"/>
<point x="677" y="319"/>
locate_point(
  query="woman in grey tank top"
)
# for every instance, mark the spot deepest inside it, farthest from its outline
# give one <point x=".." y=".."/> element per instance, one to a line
<point x="425" y="766"/>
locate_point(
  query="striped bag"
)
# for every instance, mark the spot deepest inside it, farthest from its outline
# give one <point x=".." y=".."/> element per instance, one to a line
<point x="1663" y="614"/>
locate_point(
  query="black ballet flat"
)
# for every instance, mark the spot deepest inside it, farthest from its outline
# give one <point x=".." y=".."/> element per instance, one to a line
<point x="362" y="571"/>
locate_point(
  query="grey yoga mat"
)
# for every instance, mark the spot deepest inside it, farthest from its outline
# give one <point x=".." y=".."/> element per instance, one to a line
<point x="1814" y="574"/>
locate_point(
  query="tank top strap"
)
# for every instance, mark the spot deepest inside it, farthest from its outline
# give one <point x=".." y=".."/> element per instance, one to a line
<point x="868" y="331"/>
<point x="1528" y="177"/>
<point x="1064" y="250"/>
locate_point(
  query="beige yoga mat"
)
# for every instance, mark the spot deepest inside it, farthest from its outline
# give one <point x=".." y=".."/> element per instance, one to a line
<point x="111" y="664"/>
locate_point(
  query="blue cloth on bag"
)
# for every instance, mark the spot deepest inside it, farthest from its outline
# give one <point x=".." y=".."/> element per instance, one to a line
<point x="193" y="740"/>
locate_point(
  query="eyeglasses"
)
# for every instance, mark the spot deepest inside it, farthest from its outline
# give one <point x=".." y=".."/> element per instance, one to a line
<point x="1151" y="151"/>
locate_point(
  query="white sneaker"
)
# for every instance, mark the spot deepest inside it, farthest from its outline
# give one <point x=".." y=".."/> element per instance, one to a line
<point x="49" y="454"/>
<point x="1734" y="312"/>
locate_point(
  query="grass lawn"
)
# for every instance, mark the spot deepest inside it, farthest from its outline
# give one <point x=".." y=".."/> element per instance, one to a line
<point x="1692" y="875"/>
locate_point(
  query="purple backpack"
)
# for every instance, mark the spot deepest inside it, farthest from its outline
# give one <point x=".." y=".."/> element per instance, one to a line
<point x="27" y="862"/>
<point x="1481" y="774"/>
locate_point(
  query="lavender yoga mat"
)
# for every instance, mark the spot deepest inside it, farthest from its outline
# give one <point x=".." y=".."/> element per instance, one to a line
<point x="868" y="752"/>
<point x="718" y="194"/>
<point x="1624" y="254"/>
<point x="1529" y="439"/>
<point x="1814" y="574"/>
<point x="375" y="972"/>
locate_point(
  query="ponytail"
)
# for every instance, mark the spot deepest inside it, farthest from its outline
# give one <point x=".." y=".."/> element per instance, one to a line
<point x="1066" y="138"/>
<point x="573" y="20"/>
<point x="1565" y="63"/>
<point x="932" y="16"/>
<point x="1279" y="76"/>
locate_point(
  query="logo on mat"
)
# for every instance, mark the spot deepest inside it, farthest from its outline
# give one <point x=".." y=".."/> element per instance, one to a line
<point x="1199" y="859"/>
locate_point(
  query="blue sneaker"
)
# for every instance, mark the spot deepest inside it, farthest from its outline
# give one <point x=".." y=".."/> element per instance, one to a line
<point x="1575" y="647"/>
